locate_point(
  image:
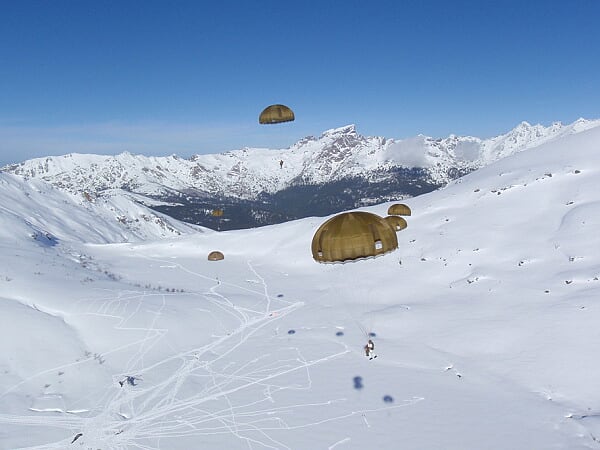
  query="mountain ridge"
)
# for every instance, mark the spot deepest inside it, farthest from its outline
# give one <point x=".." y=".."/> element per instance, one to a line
<point x="337" y="153"/>
<point x="340" y="169"/>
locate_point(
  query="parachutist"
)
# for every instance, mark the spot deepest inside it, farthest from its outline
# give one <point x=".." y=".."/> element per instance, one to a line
<point x="370" y="349"/>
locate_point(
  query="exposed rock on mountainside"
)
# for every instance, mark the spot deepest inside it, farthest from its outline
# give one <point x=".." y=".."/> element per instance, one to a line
<point x="340" y="169"/>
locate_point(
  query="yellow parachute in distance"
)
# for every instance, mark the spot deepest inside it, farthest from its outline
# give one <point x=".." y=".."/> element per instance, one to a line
<point x="399" y="209"/>
<point x="276" y="114"/>
<point x="353" y="235"/>
<point x="217" y="212"/>
<point x="215" y="256"/>
<point x="396" y="222"/>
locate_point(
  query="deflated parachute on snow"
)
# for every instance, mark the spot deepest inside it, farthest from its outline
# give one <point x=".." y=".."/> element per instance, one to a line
<point x="353" y="235"/>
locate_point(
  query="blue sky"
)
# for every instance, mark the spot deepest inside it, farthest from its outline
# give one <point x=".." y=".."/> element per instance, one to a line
<point x="185" y="77"/>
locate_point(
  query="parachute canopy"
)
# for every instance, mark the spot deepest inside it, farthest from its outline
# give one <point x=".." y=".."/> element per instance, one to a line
<point x="399" y="209"/>
<point x="215" y="256"/>
<point x="276" y="114"/>
<point x="353" y="235"/>
<point x="217" y="212"/>
<point x="396" y="222"/>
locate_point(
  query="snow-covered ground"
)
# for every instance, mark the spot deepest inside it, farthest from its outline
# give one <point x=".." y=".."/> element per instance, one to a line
<point x="485" y="321"/>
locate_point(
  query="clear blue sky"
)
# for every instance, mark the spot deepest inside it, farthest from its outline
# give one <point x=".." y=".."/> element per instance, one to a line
<point x="185" y="77"/>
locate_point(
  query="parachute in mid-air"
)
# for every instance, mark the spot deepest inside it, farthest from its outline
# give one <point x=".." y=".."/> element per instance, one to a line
<point x="399" y="209"/>
<point x="396" y="222"/>
<point x="353" y="235"/>
<point x="215" y="256"/>
<point x="217" y="212"/>
<point x="276" y="114"/>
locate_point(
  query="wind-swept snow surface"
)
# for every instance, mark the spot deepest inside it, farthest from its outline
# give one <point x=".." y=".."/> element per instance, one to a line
<point x="485" y="322"/>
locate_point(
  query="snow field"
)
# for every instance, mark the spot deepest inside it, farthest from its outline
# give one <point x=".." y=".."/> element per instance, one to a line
<point x="485" y="321"/>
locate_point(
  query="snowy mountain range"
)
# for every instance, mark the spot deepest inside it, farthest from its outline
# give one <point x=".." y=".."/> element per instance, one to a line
<point x="339" y="170"/>
<point x="119" y="335"/>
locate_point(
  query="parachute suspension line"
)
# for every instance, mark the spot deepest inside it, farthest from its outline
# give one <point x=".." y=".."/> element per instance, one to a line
<point x="339" y="282"/>
<point x="363" y="329"/>
<point x="360" y="321"/>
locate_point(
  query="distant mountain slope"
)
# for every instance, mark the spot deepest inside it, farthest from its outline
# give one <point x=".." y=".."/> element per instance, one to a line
<point x="339" y="170"/>
<point x="47" y="215"/>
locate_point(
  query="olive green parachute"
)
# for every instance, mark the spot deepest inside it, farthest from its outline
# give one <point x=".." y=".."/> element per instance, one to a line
<point x="353" y="235"/>
<point x="399" y="209"/>
<point x="396" y="222"/>
<point x="215" y="256"/>
<point x="276" y="114"/>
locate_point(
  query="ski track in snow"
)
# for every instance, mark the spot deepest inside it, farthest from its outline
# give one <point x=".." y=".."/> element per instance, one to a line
<point x="148" y="413"/>
<point x="342" y="441"/>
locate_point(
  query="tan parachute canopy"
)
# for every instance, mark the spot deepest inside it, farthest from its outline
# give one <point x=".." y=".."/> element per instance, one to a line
<point x="399" y="209"/>
<point x="215" y="256"/>
<point x="276" y="114"/>
<point x="217" y="212"/>
<point x="353" y="235"/>
<point x="396" y="222"/>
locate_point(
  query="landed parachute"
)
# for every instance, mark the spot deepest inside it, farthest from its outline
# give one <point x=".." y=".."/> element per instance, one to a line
<point x="353" y="235"/>
<point x="276" y="114"/>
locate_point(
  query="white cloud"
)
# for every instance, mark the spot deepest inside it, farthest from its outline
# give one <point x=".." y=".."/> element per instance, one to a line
<point x="410" y="151"/>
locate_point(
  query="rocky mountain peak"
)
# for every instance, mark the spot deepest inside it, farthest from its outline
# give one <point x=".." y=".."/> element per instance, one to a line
<point x="339" y="153"/>
<point x="345" y="130"/>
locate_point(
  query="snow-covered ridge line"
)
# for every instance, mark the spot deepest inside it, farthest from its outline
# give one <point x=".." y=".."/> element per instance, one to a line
<point x="36" y="210"/>
<point x="338" y="153"/>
